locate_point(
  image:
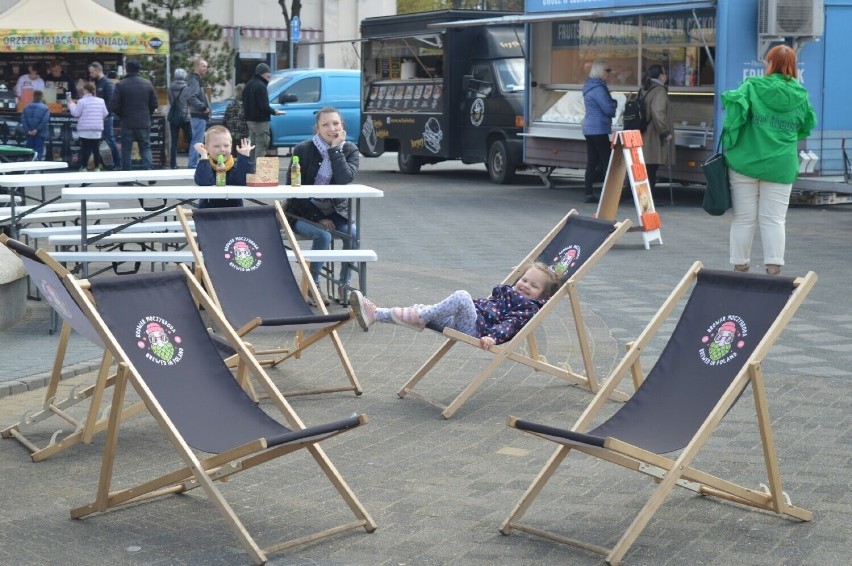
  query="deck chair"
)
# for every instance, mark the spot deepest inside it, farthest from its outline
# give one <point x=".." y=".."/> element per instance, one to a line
<point x="47" y="275"/>
<point x="571" y="248"/>
<point x="250" y="278"/>
<point x="152" y="326"/>
<point x="725" y="330"/>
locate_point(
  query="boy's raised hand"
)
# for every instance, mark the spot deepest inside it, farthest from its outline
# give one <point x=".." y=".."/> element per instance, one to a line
<point x="201" y="150"/>
<point x="245" y="147"/>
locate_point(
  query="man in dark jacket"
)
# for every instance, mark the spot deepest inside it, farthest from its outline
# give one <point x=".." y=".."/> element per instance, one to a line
<point x="199" y="107"/>
<point x="258" y="111"/>
<point x="133" y="101"/>
<point x="104" y="88"/>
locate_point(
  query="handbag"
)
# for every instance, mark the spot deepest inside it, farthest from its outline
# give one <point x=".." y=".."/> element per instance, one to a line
<point x="717" y="195"/>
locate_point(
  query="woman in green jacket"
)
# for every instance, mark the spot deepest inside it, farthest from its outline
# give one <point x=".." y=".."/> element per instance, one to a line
<point x="766" y="117"/>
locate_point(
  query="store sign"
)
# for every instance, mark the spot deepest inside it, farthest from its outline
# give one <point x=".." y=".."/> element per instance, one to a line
<point x="611" y="31"/>
<point x="41" y="41"/>
<point x="568" y="5"/>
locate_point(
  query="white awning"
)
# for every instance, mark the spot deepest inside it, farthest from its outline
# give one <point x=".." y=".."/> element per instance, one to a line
<point x="278" y="34"/>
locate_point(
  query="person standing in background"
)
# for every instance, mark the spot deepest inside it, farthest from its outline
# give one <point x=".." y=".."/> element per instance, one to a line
<point x="657" y="139"/>
<point x="235" y="118"/>
<point x="597" y="124"/>
<point x="30" y="79"/>
<point x="90" y="112"/>
<point x="765" y="118"/>
<point x="178" y="95"/>
<point x="258" y="111"/>
<point x="199" y="108"/>
<point x="133" y="101"/>
<point x="35" y="120"/>
<point x="105" y="88"/>
<point x="57" y="79"/>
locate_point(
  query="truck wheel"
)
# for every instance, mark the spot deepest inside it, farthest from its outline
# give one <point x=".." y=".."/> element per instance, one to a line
<point x="500" y="166"/>
<point x="408" y="164"/>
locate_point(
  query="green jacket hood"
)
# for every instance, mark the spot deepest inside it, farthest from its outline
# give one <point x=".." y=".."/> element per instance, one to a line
<point x="779" y="93"/>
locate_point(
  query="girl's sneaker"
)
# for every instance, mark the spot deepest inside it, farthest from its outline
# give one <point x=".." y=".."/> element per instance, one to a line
<point x="364" y="309"/>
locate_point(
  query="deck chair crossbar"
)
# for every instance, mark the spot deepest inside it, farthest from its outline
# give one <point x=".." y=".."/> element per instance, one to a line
<point x="250" y="277"/>
<point x="725" y="330"/>
<point x="571" y="248"/>
<point x="152" y="326"/>
<point x="47" y="275"/>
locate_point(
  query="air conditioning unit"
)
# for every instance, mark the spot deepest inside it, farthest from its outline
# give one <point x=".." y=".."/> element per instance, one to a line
<point x="791" y="18"/>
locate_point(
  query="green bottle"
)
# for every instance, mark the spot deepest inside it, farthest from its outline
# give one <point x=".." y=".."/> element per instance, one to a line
<point x="221" y="177"/>
<point x="295" y="172"/>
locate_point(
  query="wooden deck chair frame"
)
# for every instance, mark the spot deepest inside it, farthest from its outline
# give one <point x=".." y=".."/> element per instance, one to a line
<point x="96" y="419"/>
<point x="514" y="349"/>
<point x="302" y="340"/>
<point x="218" y="467"/>
<point x="670" y="472"/>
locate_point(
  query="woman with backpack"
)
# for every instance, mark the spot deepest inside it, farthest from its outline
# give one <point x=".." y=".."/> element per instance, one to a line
<point x="178" y="116"/>
<point x="657" y="139"/>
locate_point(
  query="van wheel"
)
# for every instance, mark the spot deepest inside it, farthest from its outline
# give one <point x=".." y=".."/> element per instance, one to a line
<point x="408" y="164"/>
<point x="500" y="166"/>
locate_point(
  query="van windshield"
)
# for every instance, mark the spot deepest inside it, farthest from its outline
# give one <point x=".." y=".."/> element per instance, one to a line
<point x="510" y="74"/>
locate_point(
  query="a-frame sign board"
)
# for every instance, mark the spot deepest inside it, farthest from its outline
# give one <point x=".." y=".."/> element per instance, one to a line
<point x="626" y="158"/>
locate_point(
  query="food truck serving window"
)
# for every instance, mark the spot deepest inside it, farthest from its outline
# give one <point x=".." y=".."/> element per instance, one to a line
<point x="630" y="44"/>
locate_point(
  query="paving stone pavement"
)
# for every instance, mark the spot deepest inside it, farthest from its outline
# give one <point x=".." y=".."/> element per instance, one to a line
<point x="440" y="489"/>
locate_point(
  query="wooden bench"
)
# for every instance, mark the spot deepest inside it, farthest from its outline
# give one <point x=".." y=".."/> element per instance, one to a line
<point x="6" y="212"/>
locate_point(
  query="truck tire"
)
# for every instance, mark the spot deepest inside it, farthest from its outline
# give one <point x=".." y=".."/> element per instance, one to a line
<point x="500" y="166"/>
<point x="408" y="164"/>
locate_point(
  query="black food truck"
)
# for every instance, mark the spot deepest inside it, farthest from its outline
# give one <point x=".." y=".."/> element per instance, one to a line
<point x="433" y="94"/>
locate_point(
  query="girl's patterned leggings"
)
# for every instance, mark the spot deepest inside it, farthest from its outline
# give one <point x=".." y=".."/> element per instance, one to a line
<point x="456" y="311"/>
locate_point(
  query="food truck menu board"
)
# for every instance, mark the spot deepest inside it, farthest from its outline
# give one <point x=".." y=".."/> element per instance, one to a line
<point x="414" y="96"/>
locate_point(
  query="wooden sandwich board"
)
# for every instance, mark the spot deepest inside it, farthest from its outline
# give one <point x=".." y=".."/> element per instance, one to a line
<point x="627" y="159"/>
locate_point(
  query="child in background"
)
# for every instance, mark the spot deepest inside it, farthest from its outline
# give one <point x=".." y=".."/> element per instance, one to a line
<point x="494" y="320"/>
<point x="90" y="112"/>
<point x="217" y="141"/>
<point x="34" y="121"/>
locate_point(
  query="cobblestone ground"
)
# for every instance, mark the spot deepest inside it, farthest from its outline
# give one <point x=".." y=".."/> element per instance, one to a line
<point x="440" y="489"/>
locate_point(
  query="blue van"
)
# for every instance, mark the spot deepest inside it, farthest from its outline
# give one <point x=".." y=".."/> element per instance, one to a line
<point x="300" y="93"/>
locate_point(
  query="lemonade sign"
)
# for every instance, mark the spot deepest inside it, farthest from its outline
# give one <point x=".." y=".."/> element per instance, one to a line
<point x="74" y="41"/>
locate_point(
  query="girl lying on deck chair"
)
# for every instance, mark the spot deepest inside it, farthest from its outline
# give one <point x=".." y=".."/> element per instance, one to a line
<point x="493" y="320"/>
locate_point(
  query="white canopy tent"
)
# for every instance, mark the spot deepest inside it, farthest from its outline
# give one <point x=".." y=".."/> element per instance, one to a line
<point x="74" y="26"/>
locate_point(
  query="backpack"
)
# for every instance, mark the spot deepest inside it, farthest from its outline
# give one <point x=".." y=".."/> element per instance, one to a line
<point x="635" y="116"/>
<point x="176" y="115"/>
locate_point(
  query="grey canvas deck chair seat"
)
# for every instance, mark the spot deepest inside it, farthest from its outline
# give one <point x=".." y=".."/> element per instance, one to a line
<point x="244" y="266"/>
<point x="47" y="275"/>
<point x="715" y="351"/>
<point x="571" y="248"/>
<point x="153" y="328"/>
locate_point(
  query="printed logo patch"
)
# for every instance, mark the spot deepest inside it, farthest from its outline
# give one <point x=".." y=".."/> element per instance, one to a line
<point x="159" y="338"/>
<point x="243" y="254"/>
<point x="53" y="299"/>
<point x="722" y="340"/>
<point x="477" y="112"/>
<point x="565" y="259"/>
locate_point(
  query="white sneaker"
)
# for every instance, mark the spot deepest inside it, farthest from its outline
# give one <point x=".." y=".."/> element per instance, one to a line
<point x="364" y="309"/>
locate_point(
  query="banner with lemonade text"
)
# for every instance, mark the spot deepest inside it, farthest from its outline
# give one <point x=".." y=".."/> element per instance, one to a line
<point x="76" y="41"/>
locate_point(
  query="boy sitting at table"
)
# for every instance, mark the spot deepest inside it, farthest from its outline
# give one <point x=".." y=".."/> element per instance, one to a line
<point x="217" y="141"/>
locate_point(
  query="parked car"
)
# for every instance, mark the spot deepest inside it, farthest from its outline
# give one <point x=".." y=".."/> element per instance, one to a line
<point x="300" y="93"/>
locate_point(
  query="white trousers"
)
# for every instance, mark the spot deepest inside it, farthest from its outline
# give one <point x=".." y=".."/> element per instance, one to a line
<point x="757" y="202"/>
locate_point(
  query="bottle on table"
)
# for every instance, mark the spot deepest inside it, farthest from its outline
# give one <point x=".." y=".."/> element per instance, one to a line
<point x="221" y="179"/>
<point x="295" y="172"/>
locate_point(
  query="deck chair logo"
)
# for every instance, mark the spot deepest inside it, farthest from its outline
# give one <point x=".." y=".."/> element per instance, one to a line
<point x="565" y="259"/>
<point x="160" y="340"/>
<point x="243" y="254"/>
<point x="722" y="340"/>
<point x="53" y="299"/>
